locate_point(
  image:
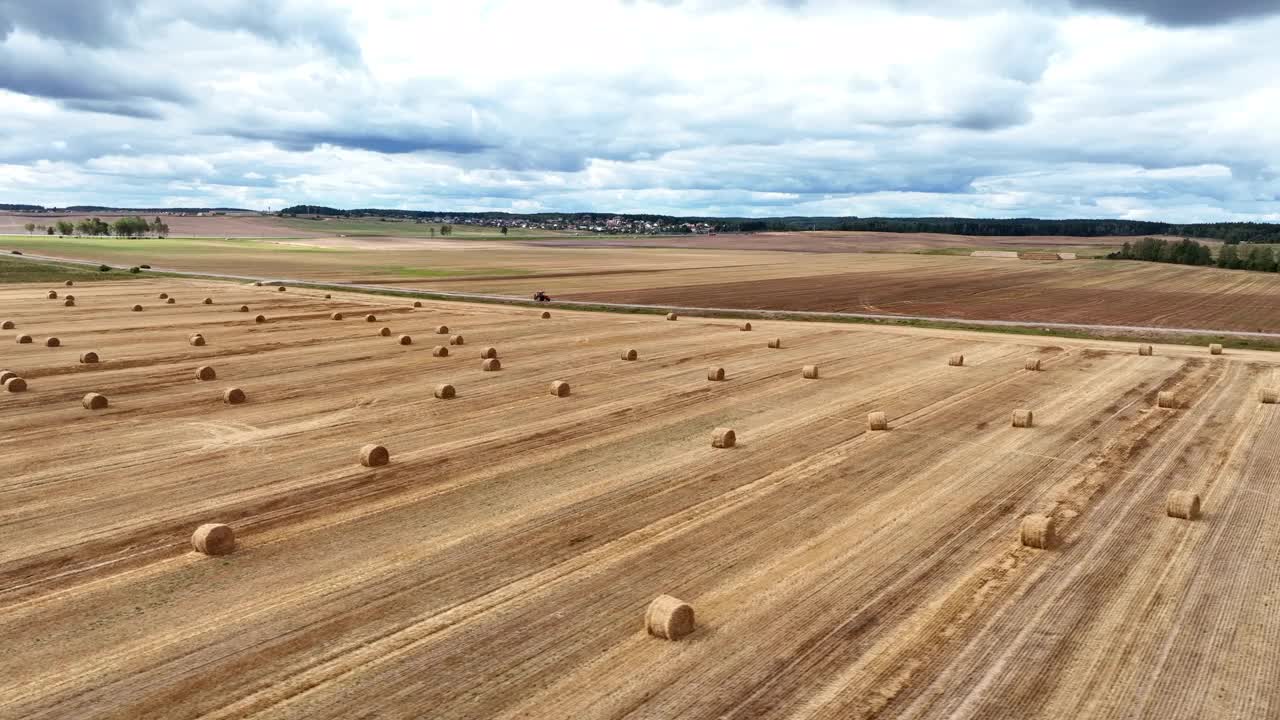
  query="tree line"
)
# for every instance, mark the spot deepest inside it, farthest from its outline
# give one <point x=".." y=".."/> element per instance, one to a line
<point x="132" y="227"/>
<point x="1189" y="252"/>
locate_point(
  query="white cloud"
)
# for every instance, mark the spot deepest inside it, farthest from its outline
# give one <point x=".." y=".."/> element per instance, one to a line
<point x="902" y="107"/>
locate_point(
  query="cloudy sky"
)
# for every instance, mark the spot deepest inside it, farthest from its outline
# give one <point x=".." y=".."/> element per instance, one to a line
<point x="1143" y="109"/>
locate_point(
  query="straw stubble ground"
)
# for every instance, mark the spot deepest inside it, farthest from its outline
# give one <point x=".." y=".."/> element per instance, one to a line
<point x="501" y="564"/>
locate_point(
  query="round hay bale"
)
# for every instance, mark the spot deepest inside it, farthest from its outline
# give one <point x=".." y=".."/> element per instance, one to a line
<point x="956" y="360"/>
<point x="668" y="618"/>
<point x="560" y="388"/>
<point x="456" y="340"/>
<point x="489" y="352"/>
<point x="1037" y="531"/>
<point x="1215" y="349"/>
<point x="7" y="325"/>
<point x="715" y="374"/>
<point x="417" y="303"/>
<point x="384" y="332"/>
<point x="52" y="342"/>
<point x="440" y="351"/>
<point x="197" y="340"/>
<point x="207" y="301"/>
<point x="94" y="401"/>
<point x="69" y="302"/>
<point x="776" y="343"/>
<point x="723" y="438"/>
<point x="89" y="358"/>
<point x="1023" y="418"/>
<point x="24" y="339"/>
<point x="243" y="308"/>
<point x="745" y="327"/>
<point x="52" y="295"/>
<point x="405" y="340"/>
<point x="1183" y="504"/>
<point x="810" y="372"/>
<point x="491" y="365"/>
<point x="374" y="456"/>
<point x="371" y="318"/>
<point x="214" y="539"/>
<point x="546" y="315"/>
<point x="672" y="316"/>
<point x="630" y="354"/>
<point x="335" y="316"/>
<point x="69" y="283"/>
<point x="15" y="384"/>
<point x="260" y="319"/>
<point x="445" y="391"/>
<point x="205" y="373"/>
<point x="136" y="308"/>
<point x="442" y="330"/>
<point x="170" y="301"/>
<point x="1270" y="396"/>
<point x="281" y="288"/>
<point x="6" y="374"/>
<point x="1032" y="364"/>
<point x="164" y="296"/>
<point x="877" y="421"/>
<point x="1145" y="350"/>
<point x="233" y="396"/>
<point x="1166" y="399"/>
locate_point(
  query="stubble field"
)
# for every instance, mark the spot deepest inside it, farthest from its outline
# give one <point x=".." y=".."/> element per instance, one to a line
<point x="499" y="566"/>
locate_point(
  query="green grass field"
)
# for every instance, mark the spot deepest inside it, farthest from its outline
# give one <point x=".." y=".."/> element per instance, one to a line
<point x="14" y="270"/>
<point x="369" y="227"/>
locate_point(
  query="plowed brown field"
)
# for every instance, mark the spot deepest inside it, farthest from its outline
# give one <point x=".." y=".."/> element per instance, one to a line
<point x="499" y="566"/>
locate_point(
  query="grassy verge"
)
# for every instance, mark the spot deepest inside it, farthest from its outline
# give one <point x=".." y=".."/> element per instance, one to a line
<point x="20" y="271"/>
<point x="450" y="273"/>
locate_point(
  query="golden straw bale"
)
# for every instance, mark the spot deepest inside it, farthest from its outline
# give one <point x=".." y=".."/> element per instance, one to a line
<point x="668" y="618"/>
<point x="136" y="308"/>
<point x="723" y="438"/>
<point x="243" y="308"/>
<point x="489" y="352"/>
<point x="7" y="325"/>
<point x="442" y="329"/>
<point x="69" y="302"/>
<point x="715" y="373"/>
<point x="374" y="456"/>
<point x="456" y="340"/>
<point x="371" y="318"/>
<point x="164" y="296"/>
<point x="1166" y="399"/>
<point x="281" y="288"/>
<point x="956" y="360"/>
<point x="52" y="342"/>
<point x="1183" y="504"/>
<point x="204" y="372"/>
<point x="1215" y="349"/>
<point x="197" y="340"/>
<point x="810" y="372"/>
<point x="877" y="421"/>
<point x="94" y="401"/>
<point x="1037" y="531"/>
<point x="233" y="396"/>
<point x="24" y="339"/>
<point x="89" y="358"/>
<point x="417" y="303"/>
<point x="1023" y="418"/>
<point x="745" y="327"/>
<point x="1270" y="395"/>
<point x="170" y="301"/>
<point x="672" y="316"/>
<point x="6" y="374"/>
<point x="445" y="391"/>
<point x="775" y="343"/>
<point x="384" y="332"/>
<point x="69" y="283"/>
<point x="546" y="315"/>
<point x="335" y="316"/>
<point x="214" y="539"/>
<point x="440" y="351"/>
<point x="52" y="295"/>
<point x="560" y="388"/>
<point x="405" y="340"/>
<point x="630" y="354"/>
<point x="15" y="385"/>
<point x="260" y="319"/>
<point x="207" y="301"/>
<point x="1145" y="350"/>
<point x="491" y="365"/>
<point x="1032" y="364"/>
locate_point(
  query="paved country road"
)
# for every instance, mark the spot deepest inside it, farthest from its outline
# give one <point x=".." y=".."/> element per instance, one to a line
<point x="736" y="312"/>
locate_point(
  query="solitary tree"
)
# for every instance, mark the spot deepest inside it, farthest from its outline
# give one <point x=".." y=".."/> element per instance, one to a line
<point x="49" y="230"/>
<point x="30" y="227"/>
<point x="66" y="227"/>
<point x="504" y="229"/>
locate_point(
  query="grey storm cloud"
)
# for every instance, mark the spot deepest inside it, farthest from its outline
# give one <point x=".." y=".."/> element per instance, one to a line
<point x="389" y="142"/>
<point x="72" y="76"/>
<point x="97" y="23"/>
<point x="1186" y="12"/>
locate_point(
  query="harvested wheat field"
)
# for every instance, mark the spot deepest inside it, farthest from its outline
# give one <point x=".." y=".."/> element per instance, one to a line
<point x="503" y="562"/>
